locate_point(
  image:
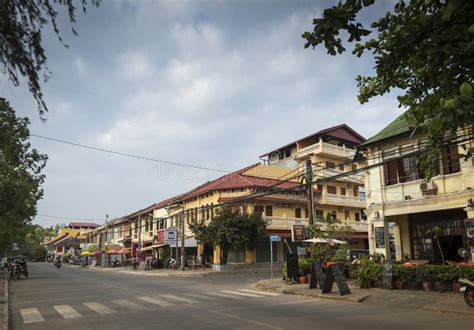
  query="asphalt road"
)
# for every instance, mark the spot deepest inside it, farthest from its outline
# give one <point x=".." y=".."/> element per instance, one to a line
<point x="73" y="298"/>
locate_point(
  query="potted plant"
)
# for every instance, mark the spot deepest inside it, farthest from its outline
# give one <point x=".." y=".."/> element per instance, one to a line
<point x="443" y="278"/>
<point x="367" y="272"/>
<point x="399" y="276"/>
<point x="427" y="276"/>
<point x="304" y="268"/>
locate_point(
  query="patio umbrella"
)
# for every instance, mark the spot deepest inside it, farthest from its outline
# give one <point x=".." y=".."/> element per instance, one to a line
<point x="113" y="252"/>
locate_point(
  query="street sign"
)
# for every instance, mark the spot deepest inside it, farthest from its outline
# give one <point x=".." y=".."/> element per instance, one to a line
<point x="171" y="236"/>
<point x="275" y="238"/>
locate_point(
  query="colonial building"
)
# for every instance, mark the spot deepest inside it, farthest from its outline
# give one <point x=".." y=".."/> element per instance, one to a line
<point x="403" y="207"/>
<point x="331" y="151"/>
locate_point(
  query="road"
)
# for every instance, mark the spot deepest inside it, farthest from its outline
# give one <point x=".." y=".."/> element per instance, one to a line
<point x="73" y="298"/>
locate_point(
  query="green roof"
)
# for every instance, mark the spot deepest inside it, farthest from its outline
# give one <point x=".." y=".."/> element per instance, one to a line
<point x="397" y="127"/>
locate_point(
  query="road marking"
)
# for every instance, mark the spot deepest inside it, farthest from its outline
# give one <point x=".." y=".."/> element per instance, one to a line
<point x="99" y="308"/>
<point x="128" y="304"/>
<point x="242" y="294"/>
<point x="199" y="296"/>
<point x="155" y="301"/>
<point x="223" y="295"/>
<point x="182" y="299"/>
<point x="31" y="315"/>
<point x="260" y="292"/>
<point x="66" y="311"/>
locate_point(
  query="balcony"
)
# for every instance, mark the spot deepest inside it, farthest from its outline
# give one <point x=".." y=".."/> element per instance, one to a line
<point x="340" y="200"/>
<point x="326" y="148"/>
<point x="286" y="223"/>
<point x="357" y="178"/>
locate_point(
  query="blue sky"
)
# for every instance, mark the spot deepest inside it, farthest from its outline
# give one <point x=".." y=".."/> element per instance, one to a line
<point x="212" y="83"/>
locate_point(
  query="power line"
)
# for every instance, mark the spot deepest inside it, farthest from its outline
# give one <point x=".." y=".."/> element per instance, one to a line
<point x="131" y="155"/>
<point x="68" y="218"/>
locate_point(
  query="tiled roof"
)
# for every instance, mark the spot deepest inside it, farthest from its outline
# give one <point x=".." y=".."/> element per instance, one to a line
<point x="83" y="224"/>
<point x="342" y="131"/>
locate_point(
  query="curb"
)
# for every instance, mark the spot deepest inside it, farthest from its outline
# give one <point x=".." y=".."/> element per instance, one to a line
<point x="6" y="321"/>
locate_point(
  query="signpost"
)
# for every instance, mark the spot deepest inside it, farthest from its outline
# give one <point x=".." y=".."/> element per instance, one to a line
<point x="273" y="238"/>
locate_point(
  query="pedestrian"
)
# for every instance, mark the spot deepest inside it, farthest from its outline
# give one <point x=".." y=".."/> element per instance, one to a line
<point x="134" y="263"/>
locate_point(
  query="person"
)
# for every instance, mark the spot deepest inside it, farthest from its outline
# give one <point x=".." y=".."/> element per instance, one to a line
<point x="134" y="263"/>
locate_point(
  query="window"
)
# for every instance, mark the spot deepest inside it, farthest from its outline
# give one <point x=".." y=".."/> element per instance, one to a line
<point x="268" y="210"/>
<point x="354" y="167"/>
<point x="357" y="216"/>
<point x="390" y="173"/>
<point x="298" y="213"/>
<point x="258" y="209"/>
<point x="341" y="167"/>
<point x="331" y="165"/>
<point x="331" y="190"/>
<point x="306" y="213"/>
<point x="343" y="191"/>
<point x="320" y="187"/>
<point x="356" y="191"/>
<point x="347" y="215"/>
<point x="450" y="159"/>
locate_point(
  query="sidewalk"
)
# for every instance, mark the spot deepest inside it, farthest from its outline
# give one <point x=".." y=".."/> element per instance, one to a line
<point x="164" y="272"/>
<point x="447" y="302"/>
<point x="4" y="308"/>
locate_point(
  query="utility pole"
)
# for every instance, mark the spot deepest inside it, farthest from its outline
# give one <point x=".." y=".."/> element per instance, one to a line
<point x="181" y="217"/>
<point x="309" y="187"/>
<point x="139" y="236"/>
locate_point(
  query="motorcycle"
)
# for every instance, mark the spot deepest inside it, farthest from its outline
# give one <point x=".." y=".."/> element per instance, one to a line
<point x="57" y="264"/>
<point x="14" y="272"/>
<point x="116" y="263"/>
<point x="468" y="289"/>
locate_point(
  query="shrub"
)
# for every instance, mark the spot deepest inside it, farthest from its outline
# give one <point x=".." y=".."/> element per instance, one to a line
<point x="367" y="272"/>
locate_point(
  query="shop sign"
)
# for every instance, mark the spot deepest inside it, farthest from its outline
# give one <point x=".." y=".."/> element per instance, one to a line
<point x="469" y="223"/>
<point x="160" y="237"/>
<point x="379" y="237"/>
<point x="298" y="233"/>
<point x="171" y="236"/>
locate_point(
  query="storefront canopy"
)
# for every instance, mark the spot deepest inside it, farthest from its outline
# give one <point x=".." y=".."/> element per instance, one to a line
<point x="330" y="241"/>
<point x="151" y="247"/>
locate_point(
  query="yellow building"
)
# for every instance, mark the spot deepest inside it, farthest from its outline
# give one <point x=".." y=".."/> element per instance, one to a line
<point x="331" y="151"/>
<point x="402" y="206"/>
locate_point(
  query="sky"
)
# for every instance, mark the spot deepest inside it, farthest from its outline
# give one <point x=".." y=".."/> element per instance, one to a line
<point x="209" y="83"/>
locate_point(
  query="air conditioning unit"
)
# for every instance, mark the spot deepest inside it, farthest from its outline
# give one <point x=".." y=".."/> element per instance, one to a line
<point x="427" y="186"/>
<point x="274" y="157"/>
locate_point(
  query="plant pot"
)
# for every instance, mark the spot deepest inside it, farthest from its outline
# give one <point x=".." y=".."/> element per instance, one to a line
<point x="456" y="287"/>
<point x="302" y="279"/>
<point x="400" y="284"/>
<point x="428" y="286"/>
<point x="442" y="286"/>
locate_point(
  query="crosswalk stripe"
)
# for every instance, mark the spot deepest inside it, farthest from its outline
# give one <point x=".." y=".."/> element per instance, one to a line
<point x="182" y="299"/>
<point x="99" y="308"/>
<point x="155" y="301"/>
<point x="66" y="311"/>
<point x="223" y="295"/>
<point x="199" y="296"/>
<point x="128" y="304"/>
<point x="260" y="292"/>
<point x="242" y="294"/>
<point x="31" y="315"/>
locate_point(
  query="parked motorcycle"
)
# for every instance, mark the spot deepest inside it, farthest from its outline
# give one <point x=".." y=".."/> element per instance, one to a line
<point x="468" y="289"/>
<point x="116" y="263"/>
<point x="14" y="272"/>
<point x="57" y="264"/>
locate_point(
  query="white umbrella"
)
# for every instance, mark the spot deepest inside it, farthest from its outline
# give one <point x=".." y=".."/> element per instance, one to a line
<point x="330" y="241"/>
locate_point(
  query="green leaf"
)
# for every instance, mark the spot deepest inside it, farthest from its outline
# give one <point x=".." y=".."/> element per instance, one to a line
<point x="466" y="90"/>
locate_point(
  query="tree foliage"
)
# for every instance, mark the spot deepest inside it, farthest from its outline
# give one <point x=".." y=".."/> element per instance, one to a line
<point x="21" y="36"/>
<point x="425" y="48"/>
<point x="20" y="176"/>
<point x="229" y="229"/>
<point x="30" y="243"/>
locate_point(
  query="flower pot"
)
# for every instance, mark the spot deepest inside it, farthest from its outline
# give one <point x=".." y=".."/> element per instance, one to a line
<point x="302" y="279"/>
<point x="400" y="284"/>
<point x="428" y="286"/>
<point x="456" y="287"/>
<point x="442" y="286"/>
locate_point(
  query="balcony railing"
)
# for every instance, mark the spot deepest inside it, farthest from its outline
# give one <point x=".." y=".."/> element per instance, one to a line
<point x="286" y="223"/>
<point x="341" y="200"/>
<point x="322" y="147"/>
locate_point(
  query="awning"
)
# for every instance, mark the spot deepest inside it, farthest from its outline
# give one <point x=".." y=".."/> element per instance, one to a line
<point x="151" y="247"/>
<point x="359" y="236"/>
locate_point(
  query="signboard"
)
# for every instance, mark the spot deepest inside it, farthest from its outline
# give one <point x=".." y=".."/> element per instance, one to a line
<point x="171" y="236"/>
<point x="387" y="274"/>
<point x="298" y="233"/>
<point x="317" y="276"/>
<point x="379" y="237"/>
<point x="469" y="224"/>
<point x="160" y="236"/>
<point x="301" y="251"/>
<point x="335" y="274"/>
<point x="275" y="238"/>
<point x="292" y="265"/>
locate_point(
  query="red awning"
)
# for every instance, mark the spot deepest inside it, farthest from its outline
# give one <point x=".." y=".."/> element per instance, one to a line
<point x="360" y="236"/>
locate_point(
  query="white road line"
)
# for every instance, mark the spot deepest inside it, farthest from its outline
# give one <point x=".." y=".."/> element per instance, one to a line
<point x="182" y="299"/>
<point x="242" y="294"/>
<point x="200" y="296"/>
<point x="128" y="304"/>
<point x="99" y="308"/>
<point x="31" y="315"/>
<point x="260" y="292"/>
<point x="155" y="301"/>
<point x="223" y="295"/>
<point x="66" y="311"/>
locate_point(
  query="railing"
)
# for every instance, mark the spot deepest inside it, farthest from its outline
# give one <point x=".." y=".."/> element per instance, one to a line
<point x="341" y="200"/>
<point x="279" y="222"/>
<point x="326" y="148"/>
<point x="355" y="225"/>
